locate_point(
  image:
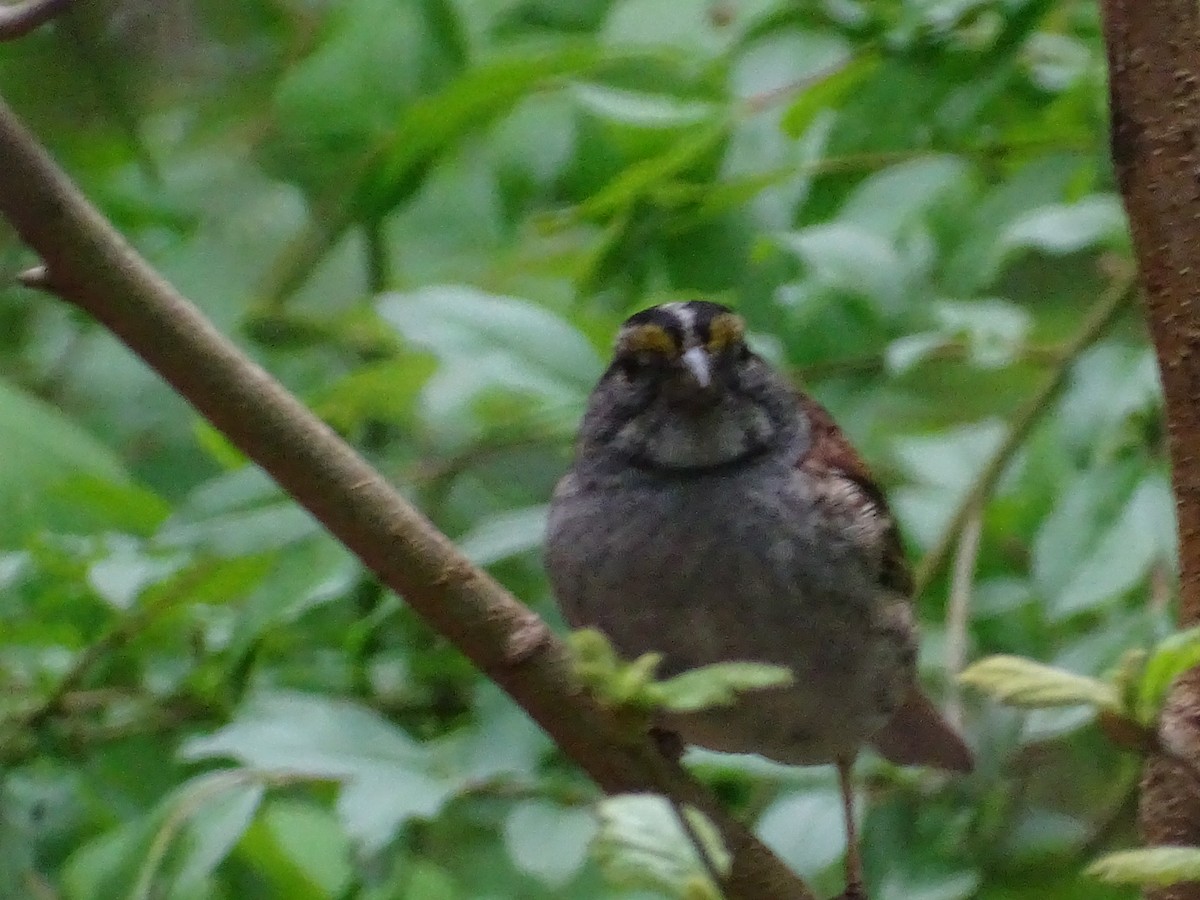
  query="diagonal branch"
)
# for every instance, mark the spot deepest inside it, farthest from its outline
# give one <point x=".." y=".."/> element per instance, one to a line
<point x="1106" y="310"/>
<point x="87" y="262"/>
<point x="18" y="20"/>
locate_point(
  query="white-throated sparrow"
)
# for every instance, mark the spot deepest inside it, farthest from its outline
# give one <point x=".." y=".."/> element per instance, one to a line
<point x="714" y="514"/>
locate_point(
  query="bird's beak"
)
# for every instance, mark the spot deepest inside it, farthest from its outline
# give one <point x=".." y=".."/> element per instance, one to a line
<point x="699" y="365"/>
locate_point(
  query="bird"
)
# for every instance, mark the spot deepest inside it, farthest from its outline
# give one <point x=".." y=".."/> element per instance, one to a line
<point x="713" y="512"/>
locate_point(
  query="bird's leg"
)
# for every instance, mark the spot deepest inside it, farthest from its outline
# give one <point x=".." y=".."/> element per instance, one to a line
<point x="854" y="877"/>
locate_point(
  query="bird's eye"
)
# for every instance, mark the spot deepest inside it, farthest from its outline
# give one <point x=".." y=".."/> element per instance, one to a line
<point x="632" y="365"/>
<point x="744" y="353"/>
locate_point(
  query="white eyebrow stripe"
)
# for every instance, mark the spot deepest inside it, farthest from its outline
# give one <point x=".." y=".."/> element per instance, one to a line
<point x="687" y="320"/>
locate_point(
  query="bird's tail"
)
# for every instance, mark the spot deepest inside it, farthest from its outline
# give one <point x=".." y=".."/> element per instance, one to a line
<point x="919" y="735"/>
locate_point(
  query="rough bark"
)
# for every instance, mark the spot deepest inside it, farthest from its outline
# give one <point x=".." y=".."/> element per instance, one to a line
<point x="1154" y="95"/>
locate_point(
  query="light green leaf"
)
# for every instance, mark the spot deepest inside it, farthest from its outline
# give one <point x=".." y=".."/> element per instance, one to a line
<point x="717" y="685"/>
<point x="504" y="535"/>
<point x="640" y="109"/>
<point x="828" y="92"/>
<point x="851" y="258"/>
<point x="129" y="567"/>
<point x="641" y="844"/>
<point x="995" y="329"/>
<point x="230" y="799"/>
<point x="1124" y="554"/>
<point x="387" y="778"/>
<point x="301" y="850"/>
<point x="806" y="829"/>
<point x="905" y="353"/>
<point x="1148" y="867"/>
<point x="782" y="59"/>
<point x="486" y="342"/>
<point x="41" y="448"/>
<point x="1068" y="228"/>
<point x="930" y="886"/>
<point x="215" y="829"/>
<point x="547" y="841"/>
<point x="385" y="390"/>
<point x="1087" y="504"/>
<point x="1023" y="682"/>
<point x="241" y="533"/>
<point x="891" y="201"/>
<point x="952" y="458"/>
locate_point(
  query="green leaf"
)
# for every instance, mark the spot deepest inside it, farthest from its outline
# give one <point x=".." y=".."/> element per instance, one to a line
<point x="641" y="844"/>
<point x="644" y="176"/>
<point x="1023" y="682"/>
<point x="717" y="685"/>
<point x="806" y="829"/>
<point x="894" y="200"/>
<point x="828" y="92"/>
<point x="430" y="127"/>
<point x="214" y="809"/>
<point x="1172" y="657"/>
<point x="1148" y="867"/>
<point x="486" y="342"/>
<point x="1123" y="555"/>
<point x="1068" y="228"/>
<point x="385" y="391"/>
<point x="548" y="841"/>
<point x="504" y="535"/>
<point x="373" y="58"/>
<point x="104" y="504"/>
<point x="640" y="109"/>
<point x="43" y="451"/>
<point x="299" y="849"/>
<point x="848" y="257"/>
<point x="428" y="881"/>
<point x="434" y="123"/>
<point x="386" y="777"/>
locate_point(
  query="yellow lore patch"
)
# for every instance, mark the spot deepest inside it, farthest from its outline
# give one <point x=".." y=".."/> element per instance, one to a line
<point x="650" y="339"/>
<point x="725" y="330"/>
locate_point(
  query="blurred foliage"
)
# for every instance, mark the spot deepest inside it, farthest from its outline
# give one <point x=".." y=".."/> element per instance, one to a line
<point x="427" y="217"/>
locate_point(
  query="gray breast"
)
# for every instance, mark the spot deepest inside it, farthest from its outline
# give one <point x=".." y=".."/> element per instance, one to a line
<point x="739" y="566"/>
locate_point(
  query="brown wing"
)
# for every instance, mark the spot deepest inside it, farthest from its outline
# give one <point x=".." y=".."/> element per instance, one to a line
<point x="831" y="454"/>
<point x="917" y="734"/>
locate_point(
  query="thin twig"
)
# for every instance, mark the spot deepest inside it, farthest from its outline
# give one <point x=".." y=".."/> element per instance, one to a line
<point x="116" y="637"/>
<point x="697" y="842"/>
<point x="951" y="351"/>
<point x="1099" y="319"/>
<point x="20" y="19"/>
<point x="958" y="612"/>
